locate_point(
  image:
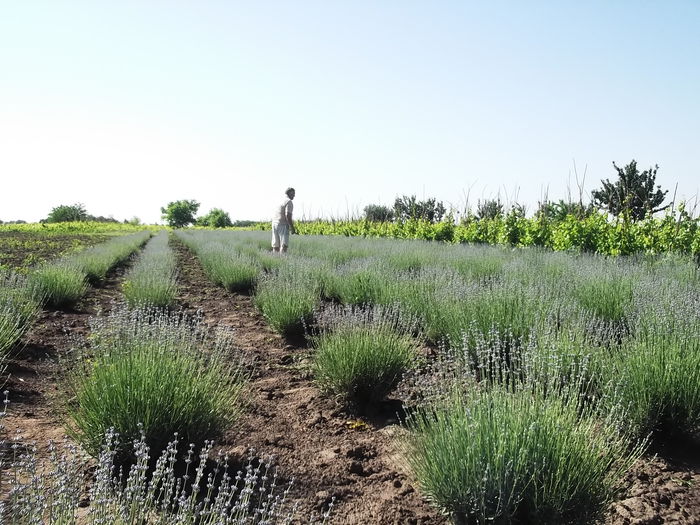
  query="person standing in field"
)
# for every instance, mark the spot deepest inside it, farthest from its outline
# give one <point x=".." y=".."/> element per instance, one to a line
<point x="282" y="223"/>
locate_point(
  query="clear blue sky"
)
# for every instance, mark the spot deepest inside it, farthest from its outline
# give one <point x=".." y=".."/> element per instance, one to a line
<point x="124" y="106"/>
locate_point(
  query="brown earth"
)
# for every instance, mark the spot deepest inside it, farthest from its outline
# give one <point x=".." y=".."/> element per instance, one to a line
<point x="329" y="452"/>
<point x="20" y="250"/>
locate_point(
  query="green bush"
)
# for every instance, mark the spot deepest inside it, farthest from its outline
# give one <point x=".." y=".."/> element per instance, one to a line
<point x="154" y="371"/>
<point x="287" y="298"/>
<point x="361" y="362"/>
<point x="152" y="281"/>
<point x="58" y="285"/>
<point x="657" y="380"/>
<point x="607" y="298"/>
<point x="516" y="457"/>
<point x="18" y="310"/>
<point x="97" y="260"/>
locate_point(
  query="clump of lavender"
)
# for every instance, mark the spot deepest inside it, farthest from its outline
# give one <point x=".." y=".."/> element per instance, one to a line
<point x="199" y="487"/>
<point x="166" y="371"/>
<point x="18" y="310"/>
<point x="152" y="281"/>
<point x="517" y="437"/>
<point x="362" y="353"/>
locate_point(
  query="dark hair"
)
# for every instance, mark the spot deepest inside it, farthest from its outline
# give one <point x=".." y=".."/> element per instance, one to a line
<point x="288" y="190"/>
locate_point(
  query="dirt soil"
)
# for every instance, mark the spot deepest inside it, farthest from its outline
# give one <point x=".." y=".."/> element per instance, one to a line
<point x="329" y="452"/>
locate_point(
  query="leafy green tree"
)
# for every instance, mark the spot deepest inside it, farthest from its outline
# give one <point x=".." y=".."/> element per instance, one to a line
<point x="633" y="192"/>
<point x="489" y="209"/>
<point x="378" y="213"/>
<point x="179" y="214"/>
<point x="406" y="207"/>
<point x="216" y="218"/>
<point x="558" y="211"/>
<point x="67" y="213"/>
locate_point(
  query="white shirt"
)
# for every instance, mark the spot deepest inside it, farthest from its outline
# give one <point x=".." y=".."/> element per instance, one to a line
<point x="281" y="211"/>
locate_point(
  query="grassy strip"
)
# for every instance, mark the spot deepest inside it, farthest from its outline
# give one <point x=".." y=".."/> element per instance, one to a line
<point x="152" y="280"/>
<point x="63" y="282"/>
<point x="227" y="264"/>
<point x="97" y="260"/>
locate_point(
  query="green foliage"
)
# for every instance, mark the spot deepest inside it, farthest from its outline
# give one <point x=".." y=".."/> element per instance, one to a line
<point x="430" y="210"/>
<point x="632" y="193"/>
<point x="59" y="285"/>
<point x="157" y="373"/>
<point x="489" y="209"/>
<point x="378" y="213"/>
<point x="594" y="233"/>
<point x="152" y="280"/>
<point x="179" y="214"/>
<point x="67" y="213"/>
<point x="362" y="359"/>
<point x="657" y="380"/>
<point x="18" y="310"/>
<point x="516" y="457"/>
<point x="559" y="210"/>
<point x="216" y="218"/>
<point x="287" y="297"/>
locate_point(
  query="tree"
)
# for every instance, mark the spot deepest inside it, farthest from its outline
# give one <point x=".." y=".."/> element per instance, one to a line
<point x="633" y="192"/>
<point x="489" y="209"/>
<point x="559" y="210"/>
<point x="179" y="214"/>
<point x="216" y="218"/>
<point x="410" y="208"/>
<point x="378" y="213"/>
<point x="67" y="213"/>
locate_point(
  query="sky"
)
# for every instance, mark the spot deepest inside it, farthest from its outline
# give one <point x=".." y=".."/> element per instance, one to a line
<point x="126" y="106"/>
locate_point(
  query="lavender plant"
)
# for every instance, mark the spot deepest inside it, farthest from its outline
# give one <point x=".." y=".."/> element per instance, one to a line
<point x="152" y="281"/>
<point x="162" y="370"/>
<point x="58" y="284"/>
<point x="288" y="297"/>
<point x="657" y="379"/>
<point x="491" y="455"/>
<point x="175" y="492"/>
<point x="97" y="260"/>
<point x="361" y="354"/>
<point x="18" y="310"/>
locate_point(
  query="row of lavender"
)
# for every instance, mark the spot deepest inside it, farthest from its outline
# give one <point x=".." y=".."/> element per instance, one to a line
<point x="553" y="372"/>
<point x="150" y="388"/>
